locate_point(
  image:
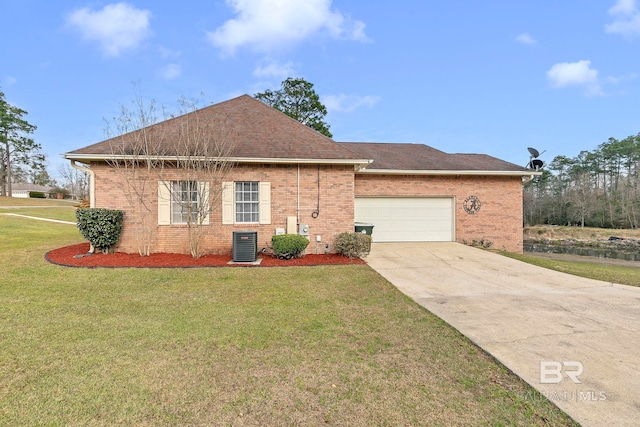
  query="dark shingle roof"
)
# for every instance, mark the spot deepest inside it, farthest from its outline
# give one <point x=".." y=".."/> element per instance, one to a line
<point x="260" y="132"/>
<point x="23" y="186"/>
<point x="419" y="157"/>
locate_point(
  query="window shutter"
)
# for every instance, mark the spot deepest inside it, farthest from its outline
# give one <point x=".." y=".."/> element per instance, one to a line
<point x="227" y="202"/>
<point x="203" y="192"/>
<point x="265" y="203"/>
<point x="164" y="203"/>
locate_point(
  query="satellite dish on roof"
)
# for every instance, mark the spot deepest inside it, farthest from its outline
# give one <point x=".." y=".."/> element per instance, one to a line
<point x="534" y="163"/>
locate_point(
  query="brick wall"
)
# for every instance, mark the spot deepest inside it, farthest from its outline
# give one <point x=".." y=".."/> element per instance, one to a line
<point x="498" y="221"/>
<point x="336" y="206"/>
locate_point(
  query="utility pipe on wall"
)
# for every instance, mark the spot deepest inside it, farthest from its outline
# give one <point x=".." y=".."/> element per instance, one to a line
<point x="92" y="184"/>
<point x="92" y="187"/>
<point x="298" y="215"/>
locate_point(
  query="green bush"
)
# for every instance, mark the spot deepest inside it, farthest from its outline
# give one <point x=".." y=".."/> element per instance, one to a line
<point x="289" y="245"/>
<point x="101" y="227"/>
<point x="37" y="195"/>
<point x="58" y="190"/>
<point x="353" y="245"/>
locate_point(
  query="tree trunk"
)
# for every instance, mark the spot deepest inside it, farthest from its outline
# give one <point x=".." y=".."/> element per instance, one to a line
<point x="7" y="165"/>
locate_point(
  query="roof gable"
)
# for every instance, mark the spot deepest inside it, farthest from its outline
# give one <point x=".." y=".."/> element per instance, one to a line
<point x="259" y="132"/>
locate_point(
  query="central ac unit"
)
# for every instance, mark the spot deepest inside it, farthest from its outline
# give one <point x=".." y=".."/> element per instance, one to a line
<point x="245" y="246"/>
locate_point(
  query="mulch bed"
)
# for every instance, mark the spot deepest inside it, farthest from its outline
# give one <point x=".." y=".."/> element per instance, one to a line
<point x="67" y="256"/>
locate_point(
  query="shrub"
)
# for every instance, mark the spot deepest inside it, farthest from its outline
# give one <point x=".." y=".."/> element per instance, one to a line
<point x="37" y="195"/>
<point x="486" y="244"/>
<point x="353" y="245"/>
<point x="101" y="227"/>
<point x="84" y="203"/>
<point x="289" y="245"/>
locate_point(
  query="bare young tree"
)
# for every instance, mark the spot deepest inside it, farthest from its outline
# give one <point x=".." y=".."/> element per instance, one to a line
<point x="74" y="180"/>
<point x="137" y="157"/>
<point x="580" y="197"/>
<point x="148" y="156"/>
<point x="204" y="145"/>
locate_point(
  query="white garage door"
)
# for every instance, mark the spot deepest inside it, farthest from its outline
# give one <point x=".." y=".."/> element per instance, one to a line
<point x="409" y="219"/>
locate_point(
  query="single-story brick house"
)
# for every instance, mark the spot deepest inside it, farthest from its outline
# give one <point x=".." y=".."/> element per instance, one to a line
<point x="22" y="189"/>
<point x="286" y="175"/>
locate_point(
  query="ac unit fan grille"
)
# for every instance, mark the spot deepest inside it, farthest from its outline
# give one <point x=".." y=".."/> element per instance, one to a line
<point x="245" y="246"/>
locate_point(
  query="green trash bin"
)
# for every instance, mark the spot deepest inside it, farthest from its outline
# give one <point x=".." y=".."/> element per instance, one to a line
<point x="364" y="228"/>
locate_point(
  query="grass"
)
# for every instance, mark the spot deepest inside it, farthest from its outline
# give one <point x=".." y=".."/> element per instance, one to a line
<point x="333" y="345"/>
<point x="553" y="232"/>
<point x="18" y="201"/>
<point x="41" y="208"/>
<point x="611" y="273"/>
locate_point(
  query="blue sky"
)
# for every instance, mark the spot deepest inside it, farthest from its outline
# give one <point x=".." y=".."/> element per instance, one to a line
<point x="490" y="76"/>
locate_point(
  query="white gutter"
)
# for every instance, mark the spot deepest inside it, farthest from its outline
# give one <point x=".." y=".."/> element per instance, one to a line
<point x="98" y="157"/>
<point x="446" y="172"/>
<point x="92" y="182"/>
<point x="298" y="190"/>
<point x="92" y="188"/>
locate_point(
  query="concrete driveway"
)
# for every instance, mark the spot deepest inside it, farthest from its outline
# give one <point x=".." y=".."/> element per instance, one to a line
<point x="552" y="329"/>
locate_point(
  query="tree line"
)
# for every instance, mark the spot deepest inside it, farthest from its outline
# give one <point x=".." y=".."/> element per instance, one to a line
<point x="22" y="160"/>
<point x="597" y="188"/>
<point x="18" y="151"/>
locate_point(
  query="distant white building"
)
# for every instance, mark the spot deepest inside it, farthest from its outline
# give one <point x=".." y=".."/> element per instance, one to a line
<point x="21" y="189"/>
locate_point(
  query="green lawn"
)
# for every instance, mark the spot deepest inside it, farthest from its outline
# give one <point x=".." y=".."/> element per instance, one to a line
<point x="620" y="274"/>
<point x="335" y="345"/>
<point x="41" y="208"/>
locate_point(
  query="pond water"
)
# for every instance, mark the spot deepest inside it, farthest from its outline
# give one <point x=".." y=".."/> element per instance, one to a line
<point x="581" y="251"/>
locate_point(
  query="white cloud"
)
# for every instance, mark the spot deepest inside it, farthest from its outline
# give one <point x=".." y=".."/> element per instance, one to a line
<point x="623" y="7"/>
<point x="274" y="69"/>
<point x="525" y="38"/>
<point x="348" y="103"/>
<point x="168" y="53"/>
<point x="620" y="79"/>
<point x="270" y="25"/>
<point x="117" y="27"/>
<point x="577" y="74"/>
<point x="627" y="18"/>
<point x="170" y="72"/>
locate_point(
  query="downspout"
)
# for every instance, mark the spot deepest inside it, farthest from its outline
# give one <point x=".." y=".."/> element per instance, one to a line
<point x="92" y="182"/>
<point x="8" y="170"/>
<point x="525" y="180"/>
<point x="298" y="214"/>
<point x="92" y="187"/>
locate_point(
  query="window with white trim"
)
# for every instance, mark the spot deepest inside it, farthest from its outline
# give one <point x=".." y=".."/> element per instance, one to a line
<point x="181" y="201"/>
<point x="184" y="202"/>
<point x="247" y="202"/>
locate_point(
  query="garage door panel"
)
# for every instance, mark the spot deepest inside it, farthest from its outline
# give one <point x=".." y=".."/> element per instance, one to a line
<point x="407" y="219"/>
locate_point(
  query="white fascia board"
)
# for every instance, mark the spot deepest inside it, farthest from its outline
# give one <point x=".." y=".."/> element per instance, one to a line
<point x="447" y="172"/>
<point x="97" y="157"/>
